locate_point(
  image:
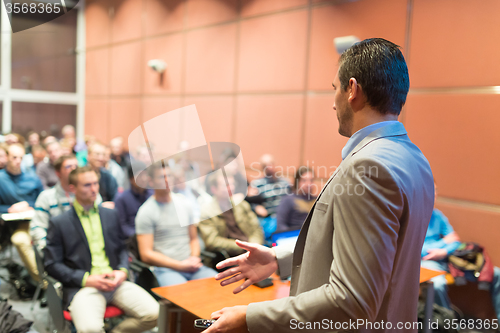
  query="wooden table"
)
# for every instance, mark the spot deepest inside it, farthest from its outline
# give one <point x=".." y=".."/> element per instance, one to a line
<point x="426" y="274"/>
<point x="204" y="296"/>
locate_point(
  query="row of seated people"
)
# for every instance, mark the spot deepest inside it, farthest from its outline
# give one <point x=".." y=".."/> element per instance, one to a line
<point x="177" y="258"/>
<point x="52" y="202"/>
<point x="441" y="242"/>
<point x="154" y="220"/>
<point x="40" y="155"/>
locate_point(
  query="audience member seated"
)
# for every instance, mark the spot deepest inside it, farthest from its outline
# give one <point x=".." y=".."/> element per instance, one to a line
<point x="222" y="223"/>
<point x="127" y="203"/>
<point x="232" y="168"/>
<point x="68" y="133"/>
<point x="50" y="202"/>
<point x="116" y="171"/>
<point x="45" y="170"/>
<point x="166" y="235"/>
<point x="3" y="155"/>
<point x="84" y="252"/>
<point x="195" y="196"/>
<point x="54" y="201"/>
<point x="12" y="138"/>
<point x="33" y="140"/>
<point x="142" y="154"/>
<point x="293" y="209"/>
<point x="67" y="146"/>
<point x="48" y="139"/>
<point x="35" y="153"/>
<point x="39" y="153"/>
<point x="118" y="152"/>
<point x="270" y="189"/>
<point x="441" y="241"/>
<point x="31" y="160"/>
<point x="108" y="187"/>
<point x="18" y="192"/>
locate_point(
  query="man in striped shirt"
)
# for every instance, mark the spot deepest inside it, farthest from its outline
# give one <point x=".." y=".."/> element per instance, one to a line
<point x="54" y="201"/>
<point x="270" y="189"/>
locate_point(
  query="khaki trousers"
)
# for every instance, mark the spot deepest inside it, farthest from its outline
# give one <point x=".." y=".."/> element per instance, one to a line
<point x="88" y="306"/>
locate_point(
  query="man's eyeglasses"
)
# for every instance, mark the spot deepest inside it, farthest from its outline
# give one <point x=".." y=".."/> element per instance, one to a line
<point x="71" y="166"/>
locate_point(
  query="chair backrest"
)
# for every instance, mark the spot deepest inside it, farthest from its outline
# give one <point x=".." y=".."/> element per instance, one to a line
<point x="133" y="247"/>
<point x="147" y="280"/>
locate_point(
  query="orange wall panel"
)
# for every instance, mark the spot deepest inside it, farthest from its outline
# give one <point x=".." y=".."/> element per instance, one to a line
<point x="168" y="49"/>
<point x="164" y="16"/>
<point x="97" y="22"/>
<point x="256" y="7"/>
<point x="126" y="24"/>
<point x="475" y="225"/>
<point x="126" y="68"/>
<point x="97" y="74"/>
<point x="456" y="133"/>
<point x="454" y="43"/>
<point x="156" y="106"/>
<point x="125" y="116"/>
<point x="352" y="18"/>
<point x="210" y="59"/>
<point x="269" y="124"/>
<point x="205" y="12"/>
<point x="97" y="118"/>
<point x="273" y="52"/>
<point x="322" y="142"/>
<point x="216" y="116"/>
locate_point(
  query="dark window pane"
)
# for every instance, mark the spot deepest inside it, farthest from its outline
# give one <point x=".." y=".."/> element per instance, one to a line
<point x="40" y="117"/>
<point x="43" y="57"/>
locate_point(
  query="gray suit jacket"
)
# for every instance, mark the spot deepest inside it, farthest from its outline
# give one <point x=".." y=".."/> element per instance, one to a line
<point x="358" y="253"/>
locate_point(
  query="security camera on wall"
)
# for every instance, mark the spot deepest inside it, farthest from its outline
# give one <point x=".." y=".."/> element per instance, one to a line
<point x="157" y="65"/>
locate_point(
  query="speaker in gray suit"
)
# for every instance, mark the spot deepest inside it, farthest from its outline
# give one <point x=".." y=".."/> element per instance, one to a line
<point x="355" y="266"/>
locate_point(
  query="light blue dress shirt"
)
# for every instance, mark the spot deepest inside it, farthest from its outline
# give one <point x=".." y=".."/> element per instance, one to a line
<point x="361" y="134"/>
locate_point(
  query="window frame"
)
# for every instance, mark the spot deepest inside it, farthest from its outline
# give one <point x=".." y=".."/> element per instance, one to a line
<point x="9" y="95"/>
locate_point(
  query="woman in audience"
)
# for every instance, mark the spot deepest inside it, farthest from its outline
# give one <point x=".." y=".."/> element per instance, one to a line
<point x="293" y="208"/>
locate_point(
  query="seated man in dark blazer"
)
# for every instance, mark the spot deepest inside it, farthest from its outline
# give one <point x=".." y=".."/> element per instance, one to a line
<point x="85" y="254"/>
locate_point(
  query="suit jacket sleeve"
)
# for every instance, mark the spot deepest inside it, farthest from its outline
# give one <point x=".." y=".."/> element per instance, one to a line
<point x="284" y="256"/>
<point x="113" y="187"/>
<point x="54" y="259"/>
<point x="117" y="242"/>
<point x="364" y="246"/>
<point x="126" y="226"/>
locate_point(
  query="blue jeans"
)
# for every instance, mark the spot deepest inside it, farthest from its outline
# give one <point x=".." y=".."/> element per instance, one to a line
<point x="169" y="277"/>
<point x="441" y="288"/>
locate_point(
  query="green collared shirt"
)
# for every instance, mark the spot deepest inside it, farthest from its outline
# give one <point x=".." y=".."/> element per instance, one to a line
<point x="91" y="223"/>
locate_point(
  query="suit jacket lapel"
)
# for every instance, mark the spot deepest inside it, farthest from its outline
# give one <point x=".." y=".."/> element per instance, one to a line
<point x="79" y="228"/>
<point x="301" y="240"/>
<point x="389" y="130"/>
